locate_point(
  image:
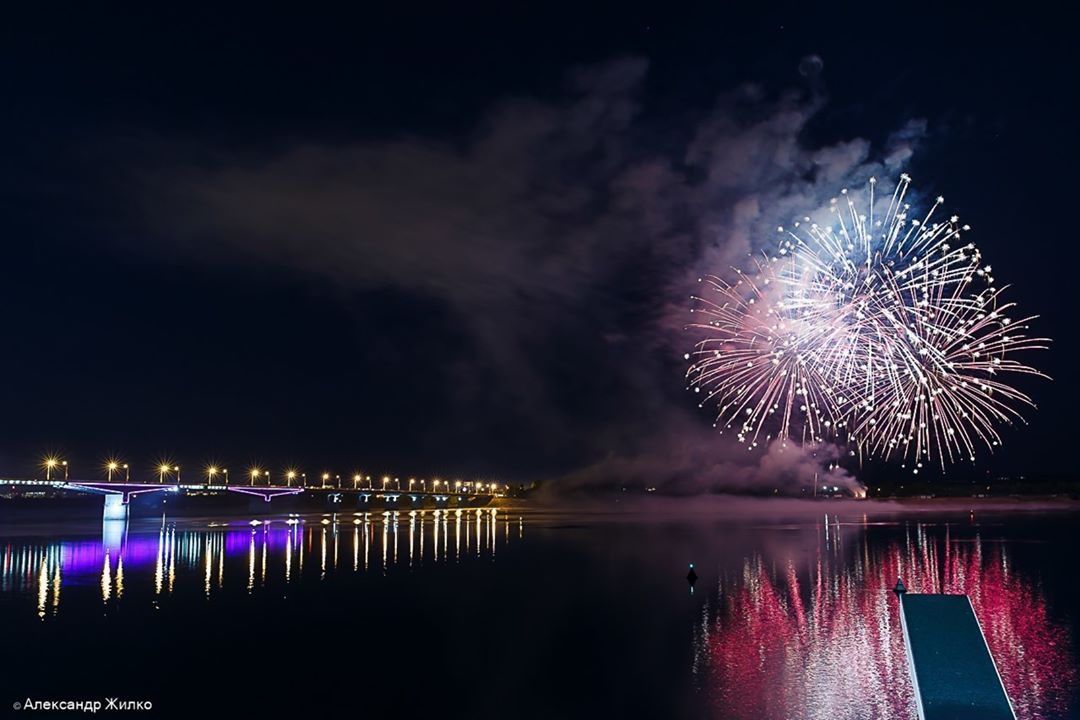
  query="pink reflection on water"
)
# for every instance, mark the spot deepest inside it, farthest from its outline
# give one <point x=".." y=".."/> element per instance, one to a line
<point x="823" y="633"/>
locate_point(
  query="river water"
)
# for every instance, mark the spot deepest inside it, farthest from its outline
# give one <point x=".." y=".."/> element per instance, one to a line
<point x="514" y="612"/>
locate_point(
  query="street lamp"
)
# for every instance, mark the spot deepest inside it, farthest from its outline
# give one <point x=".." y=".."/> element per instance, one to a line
<point x="162" y="469"/>
<point x="112" y="467"/>
<point x="254" y="474"/>
<point x="127" y="473"/>
<point x="267" y="474"/>
<point x="412" y="481"/>
<point x="385" y="482"/>
<point x="176" y="468"/>
<point x="64" y="463"/>
<point x="355" y="481"/>
<point x="50" y="465"/>
<point x="225" y="472"/>
<point x="289" y="476"/>
<point x="210" y="473"/>
<point x="325" y="477"/>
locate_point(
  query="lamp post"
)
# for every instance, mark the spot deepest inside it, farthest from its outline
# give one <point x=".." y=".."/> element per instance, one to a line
<point x="210" y="473"/>
<point x="267" y="474"/>
<point x="64" y="463"/>
<point x="355" y="481"/>
<point x="289" y="478"/>
<point x="162" y="469"/>
<point x="176" y="469"/>
<point x="225" y="472"/>
<point x="111" y="467"/>
<point x="385" y="482"/>
<point x="325" y="477"/>
<point x="254" y="474"/>
<point x="127" y="473"/>
<point x="50" y="465"/>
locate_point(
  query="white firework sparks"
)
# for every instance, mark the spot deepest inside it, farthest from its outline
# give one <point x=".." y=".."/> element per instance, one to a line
<point x="886" y="331"/>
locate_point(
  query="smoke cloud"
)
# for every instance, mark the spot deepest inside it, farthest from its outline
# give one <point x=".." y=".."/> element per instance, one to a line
<point x="565" y="237"/>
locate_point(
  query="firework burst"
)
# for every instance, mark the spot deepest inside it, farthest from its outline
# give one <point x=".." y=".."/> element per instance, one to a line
<point x="881" y="329"/>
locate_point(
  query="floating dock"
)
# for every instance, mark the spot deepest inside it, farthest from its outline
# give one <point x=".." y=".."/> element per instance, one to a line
<point x="953" y="673"/>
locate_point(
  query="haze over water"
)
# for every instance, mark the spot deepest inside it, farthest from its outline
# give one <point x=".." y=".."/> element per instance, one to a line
<point x="528" y="613"/>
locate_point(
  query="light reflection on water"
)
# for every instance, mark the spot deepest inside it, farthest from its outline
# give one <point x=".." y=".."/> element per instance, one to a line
<point x="120" y="559"/>
<point x="822" y="633"/>
<point x="791" y="619"/>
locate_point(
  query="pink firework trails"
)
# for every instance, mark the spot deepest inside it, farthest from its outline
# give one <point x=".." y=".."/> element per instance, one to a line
<point x="879" y="329"/>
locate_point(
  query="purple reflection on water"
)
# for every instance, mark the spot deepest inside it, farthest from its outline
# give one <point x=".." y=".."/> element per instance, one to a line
<point x="238" y="540"/>
<point x="85" y="557"/>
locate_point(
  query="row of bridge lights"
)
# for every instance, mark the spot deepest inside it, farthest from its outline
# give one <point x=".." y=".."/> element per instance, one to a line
<point x="113" y="467"/>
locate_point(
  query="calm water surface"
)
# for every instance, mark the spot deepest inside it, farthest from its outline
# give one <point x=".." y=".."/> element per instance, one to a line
<point x="509" y="613"/>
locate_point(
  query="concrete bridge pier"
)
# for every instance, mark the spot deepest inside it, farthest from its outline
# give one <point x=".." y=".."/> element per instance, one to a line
<point x="114" y="535"/>
<point x="116" y="506"/>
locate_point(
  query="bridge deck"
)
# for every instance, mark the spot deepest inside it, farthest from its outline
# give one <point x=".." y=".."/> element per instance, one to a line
<point x="951" y="667"/>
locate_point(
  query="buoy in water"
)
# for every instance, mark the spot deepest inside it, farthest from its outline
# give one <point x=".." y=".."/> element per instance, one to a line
<point x="691" y="577"/>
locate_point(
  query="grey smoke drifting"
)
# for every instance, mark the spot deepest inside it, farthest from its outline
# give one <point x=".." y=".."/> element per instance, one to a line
<point x="563" y="240"/>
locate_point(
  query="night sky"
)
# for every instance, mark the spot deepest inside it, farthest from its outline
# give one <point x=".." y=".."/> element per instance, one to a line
<point x="460" y="241"/>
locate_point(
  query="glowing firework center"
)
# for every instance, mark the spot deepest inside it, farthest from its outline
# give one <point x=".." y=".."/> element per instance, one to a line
<point x="882" y="330"/>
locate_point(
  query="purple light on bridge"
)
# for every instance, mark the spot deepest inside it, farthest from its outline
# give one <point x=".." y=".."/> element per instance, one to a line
<point x="266" y="493"/>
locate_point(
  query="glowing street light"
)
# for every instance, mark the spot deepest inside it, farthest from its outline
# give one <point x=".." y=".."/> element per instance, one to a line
<point x="162" y="469"/>
<point x="412" y="481"/>
<point x="356" y="481"/>
<point x="225" y="472"/>
<point x="64" y="463"/>
<point x="176" y="469"/>
<point x="325" y="477"/>
<point x="210" y="473"/>
<point x="385" y="482"/>
<point x="255" y="472"/>
<point x="267" y="474"/>
<point x="127" y="473"/>
<point x="290" y="475"/>
<point x="112" y="467"/>
<point x="50" y="465"/>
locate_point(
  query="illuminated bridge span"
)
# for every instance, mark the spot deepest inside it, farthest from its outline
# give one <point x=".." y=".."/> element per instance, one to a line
<point x="118" y="495"/>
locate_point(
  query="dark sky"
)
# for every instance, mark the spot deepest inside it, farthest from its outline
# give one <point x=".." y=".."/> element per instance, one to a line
<point x="458" y="240"/>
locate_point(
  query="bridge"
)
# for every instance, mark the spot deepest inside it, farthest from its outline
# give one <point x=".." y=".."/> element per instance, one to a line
<point x="118" y="495"/>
